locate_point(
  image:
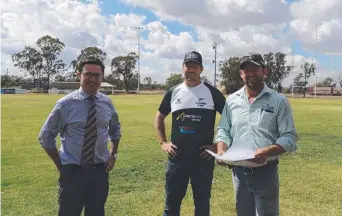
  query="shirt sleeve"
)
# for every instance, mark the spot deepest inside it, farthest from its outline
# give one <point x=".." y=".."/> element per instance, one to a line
<point x="114" y="126"/>
<point x="165" y="106"/>
<point x="51" y="127"/>
<point x="223" y="132"/>
<point x="219" y="101"/>
<point x="286" y="128"/>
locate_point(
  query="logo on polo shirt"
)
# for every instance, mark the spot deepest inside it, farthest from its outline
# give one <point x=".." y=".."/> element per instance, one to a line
<point x="200" y="102"/>
<point x="182" y="116"/>
<point x="178" y="101"/>
<point x="186" y="130"/>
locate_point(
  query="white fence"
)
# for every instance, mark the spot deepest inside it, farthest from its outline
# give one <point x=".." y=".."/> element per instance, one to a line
<point x="60" y="91"/>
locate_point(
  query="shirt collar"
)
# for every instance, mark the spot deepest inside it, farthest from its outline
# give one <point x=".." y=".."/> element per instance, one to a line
<point x="84" y="95"/>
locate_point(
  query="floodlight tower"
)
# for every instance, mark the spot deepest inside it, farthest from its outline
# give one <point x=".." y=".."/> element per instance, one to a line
<point x="215" y="45"/>
<point x="316" y="64"/>
<point x="138" y="28"/>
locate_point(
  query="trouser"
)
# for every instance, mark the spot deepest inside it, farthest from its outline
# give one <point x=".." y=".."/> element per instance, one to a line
<point x="177" y="179"/>
<point x="256" y="190"/>
<point x="82" y="187"/>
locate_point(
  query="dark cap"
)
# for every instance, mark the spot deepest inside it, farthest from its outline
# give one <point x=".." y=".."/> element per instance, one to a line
<point x="194" y="57"/>
<point x="254" y="58"/>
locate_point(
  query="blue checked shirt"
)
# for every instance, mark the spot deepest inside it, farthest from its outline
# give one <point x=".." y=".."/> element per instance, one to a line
<point x="69" y="117"/>
<point x="268" y="120"/>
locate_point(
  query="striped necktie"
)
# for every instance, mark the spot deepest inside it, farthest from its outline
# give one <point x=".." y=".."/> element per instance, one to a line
<point x="90" y="134"/>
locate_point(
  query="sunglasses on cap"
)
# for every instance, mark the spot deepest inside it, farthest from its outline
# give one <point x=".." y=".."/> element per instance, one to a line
<point x="254" y="58"/>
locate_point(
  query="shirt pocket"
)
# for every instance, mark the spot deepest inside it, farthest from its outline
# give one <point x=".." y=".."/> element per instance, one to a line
<point x="267" y="119"/>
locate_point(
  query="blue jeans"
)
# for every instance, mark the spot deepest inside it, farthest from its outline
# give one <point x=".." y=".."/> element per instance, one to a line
<point x="256" y="190"/>
<point x="177" y="180"/>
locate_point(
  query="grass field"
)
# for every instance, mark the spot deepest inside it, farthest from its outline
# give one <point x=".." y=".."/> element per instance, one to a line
<point x="310" y="180"/>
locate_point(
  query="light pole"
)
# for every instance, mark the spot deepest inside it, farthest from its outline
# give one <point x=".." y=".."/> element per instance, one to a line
<point x="293" y="58"/>
<point x="138" y="28"/>
<point x="316" y="64"/>
<point x="316" y="56"/>
<point x="214" y="61"/>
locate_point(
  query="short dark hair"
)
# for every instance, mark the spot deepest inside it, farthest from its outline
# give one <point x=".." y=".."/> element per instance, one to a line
<point x="90" y="60"/>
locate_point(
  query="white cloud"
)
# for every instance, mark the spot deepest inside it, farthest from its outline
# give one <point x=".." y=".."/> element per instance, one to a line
<point x="218" y="14"/>
<point x="238" y="26"/>
<point x="326" y="16"/>
<point x="25" y="21"/>
<point x="239" y="42"/>
<point x="146" y="71"/>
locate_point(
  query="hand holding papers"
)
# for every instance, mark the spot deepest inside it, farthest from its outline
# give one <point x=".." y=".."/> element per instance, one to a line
<point x="238" y="154"/>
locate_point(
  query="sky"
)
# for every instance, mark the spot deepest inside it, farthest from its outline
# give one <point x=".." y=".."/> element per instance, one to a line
<point x="173" y="28"/>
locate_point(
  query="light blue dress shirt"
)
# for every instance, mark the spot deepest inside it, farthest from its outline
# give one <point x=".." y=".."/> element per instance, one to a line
<point x="69" y="117"/>
<point x="266" y="121"/>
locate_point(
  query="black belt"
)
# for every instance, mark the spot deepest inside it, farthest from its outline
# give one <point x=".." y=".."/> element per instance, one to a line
<point x="252" y="170"/>
<point x="86" y="166"/>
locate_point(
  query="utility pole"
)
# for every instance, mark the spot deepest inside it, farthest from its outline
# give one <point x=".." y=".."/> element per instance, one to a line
<point x="315" y="56"/>
<point x="138" y="28"/>
<point x="214" y="61"/>
<point x="293" y="57"/>
<point x="316" y="64"/>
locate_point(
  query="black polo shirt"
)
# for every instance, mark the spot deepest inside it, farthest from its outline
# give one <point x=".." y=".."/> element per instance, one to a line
<point x="193" y="117"/>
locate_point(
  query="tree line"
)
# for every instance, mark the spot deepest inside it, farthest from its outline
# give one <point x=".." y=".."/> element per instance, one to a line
<point x="43" y="62"/>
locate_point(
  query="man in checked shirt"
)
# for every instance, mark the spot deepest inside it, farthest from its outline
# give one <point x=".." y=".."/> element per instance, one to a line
<point x="263" y="119"/>
<point x="85" y="119"/>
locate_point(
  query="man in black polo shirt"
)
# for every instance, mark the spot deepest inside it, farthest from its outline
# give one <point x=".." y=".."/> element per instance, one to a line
<point x="193" y="105"/>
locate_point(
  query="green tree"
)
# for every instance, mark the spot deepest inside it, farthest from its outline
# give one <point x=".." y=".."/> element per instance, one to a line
<point x="133" y="82"/>
<point x="339" y="79"/>
<point x="93" y="52"/>
<point x="29" y="60"/>
<point x="156" y="85"/>
<point x="114" y="80"/>
<point x="277" y="69"/>
<point x="5" y="80"/>
<point x="302" y="78"/>
<point x="327" y="82"/>
<point x="60" y="78"/>
<point x="298" y="81"/>
<point x="123" y="66"/>
<point x="173" y="79"/>
<point x="8" y="81"/>
<point x="148" y="82"/>
<point x="230" y="74"/>
<point x="50" y="48"/>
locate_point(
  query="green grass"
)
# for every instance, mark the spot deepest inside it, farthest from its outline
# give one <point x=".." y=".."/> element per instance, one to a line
<point x="310" y="180"/>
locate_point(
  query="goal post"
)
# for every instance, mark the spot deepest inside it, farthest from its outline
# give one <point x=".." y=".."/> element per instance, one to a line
<point x="293" y="92"/>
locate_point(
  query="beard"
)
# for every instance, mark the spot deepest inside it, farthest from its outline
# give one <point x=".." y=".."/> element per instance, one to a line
<point x="254" y="83"/>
